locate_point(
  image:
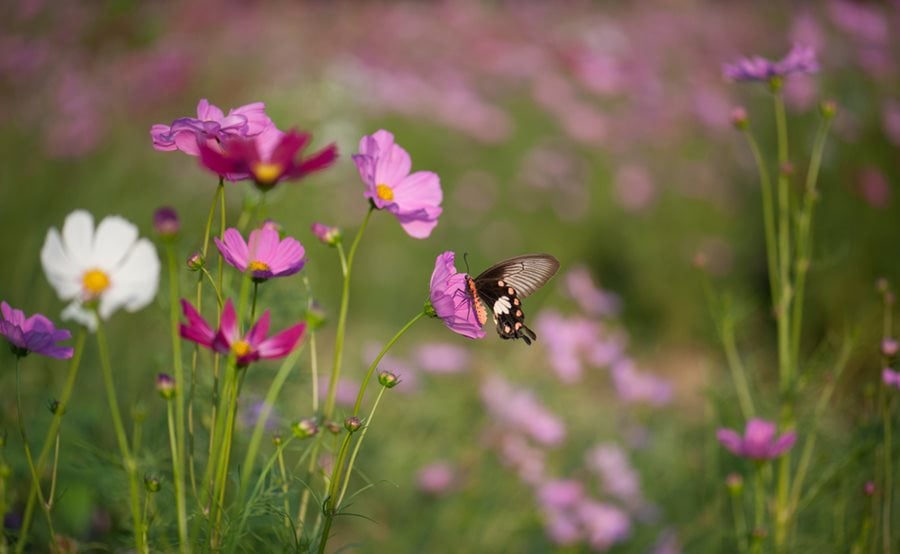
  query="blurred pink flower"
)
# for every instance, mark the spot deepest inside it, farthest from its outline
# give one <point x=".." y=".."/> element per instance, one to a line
<point x="519" y="409"/>
<point x="605" y="524"/>
<point x="560" y="493"/>
<point x="800" y="60"/>
<point x="591" y="299"/>
<point x="442" y="358"/>
<point x="436" y="478"/>
<point x="414" y="198"/>
<point x="634" y="188"/>
<point x="575" y="342"/>
<point x="528" y="461"/>
<point x="874" y="187"/>
<point x="563" y="528"/>
<point x="346" y="390"/>
<point x="615" y="471"/>
<point x="890" y="377"/>
<point x="889" y="347"/>
<point x="633" y="386"/>
<point x="865" y="23"/>
<point x="890" y="120"/>
<point x="759" y="441"/>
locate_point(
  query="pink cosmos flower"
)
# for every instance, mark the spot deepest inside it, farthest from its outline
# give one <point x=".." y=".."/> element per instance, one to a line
<point x="451" y="300"/>
<point x="442" y="358"/>
<point x="800" y="60"/>
<point x="619" y="477"/>
<point x="264" y="255"/>
<point x="605" y="525"/>
<point x="560" y="493"/>
<point x="759" y="441"/>
<point x="227" y="339"/>
<point x="518" y="409"/>
<point x="210" y="127"/>
<point x="267" y="158"/>
<point x="890" y="377"/>
<point x="415" y="198"/>
<point x="436" y="478"/>
<point x="33" y="334"/>
<point x="634" y="386"/>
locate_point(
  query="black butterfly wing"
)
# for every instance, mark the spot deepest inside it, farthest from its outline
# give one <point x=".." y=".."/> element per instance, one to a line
<point x="502" y="286"/>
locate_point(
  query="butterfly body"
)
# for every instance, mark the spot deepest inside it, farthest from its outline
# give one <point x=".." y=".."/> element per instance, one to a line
<point x="501" y="288"/>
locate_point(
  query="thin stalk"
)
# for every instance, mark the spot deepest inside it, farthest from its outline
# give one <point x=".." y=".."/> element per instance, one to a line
<point x="740" y="522"/>
<point x="127" y="461"/>
<point x="331" y="501"/>
<point x="45" y="506"/>
<point x="362" y="435"/>
<point x="374" y="366"/>
<point x="804" y="237"/>
<point x="346" y="268"/>
<point x="765" y="186"/>
<point x="53" y="472"/>
<point x="759" y="512"/>
<point x="285" y="487"/>
<point x="52" y="432"/>
<point x="259" y="428"/>
<point x="176" y="428"/>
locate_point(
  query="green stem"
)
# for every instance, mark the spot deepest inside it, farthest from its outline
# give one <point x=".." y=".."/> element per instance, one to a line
<point x="52" y="432"/>
<point x="759" y="512"/>
<point x="374" y="366"/>
<point x="804" y="237"/>
<point x="358" y="444"/>
<point x="127" y="461"/>
<point x="740" y="522"/>
<point x="45" y="506"/>
<point x="177" y="437"/>
<point x="346" y="267"/>
<point x="285" y="487"/>
<point x="259" y="428"/>
<point x="765" y="185"/>
<point x="888" y="478"/>
<point x="330" y="506"/>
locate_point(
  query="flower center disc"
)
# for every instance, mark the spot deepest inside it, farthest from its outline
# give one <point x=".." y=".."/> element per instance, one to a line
<point x="94" y="282"/>
<point x="257" y="265"/>
<point x="384" y="192"/>
<point x="266" y="172"/>
<point x="240" y="348"/>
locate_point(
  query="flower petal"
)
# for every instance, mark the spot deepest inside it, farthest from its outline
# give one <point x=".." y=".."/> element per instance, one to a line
<point x="63" y="274"/>
<point x="234" y="249"/>
<point x="283" y="343"/>
<point x="134" y="283"/>
<point x="196" y="330"/>
<point x="113" y="240"/>
<point x="731" y="440"/>
<point x="78" y="238"/>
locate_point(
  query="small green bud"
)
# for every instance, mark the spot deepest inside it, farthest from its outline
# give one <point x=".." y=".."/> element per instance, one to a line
<point x="305" y="428"/>
<point x="277" y="440"/>
<point x="352" y="424"/>
<point x="388" y="379"/>
<point x="828" y="109"/>
<point x="152" y="483"/>
<point x="195" y="262"/>
<point x="165" y="385"/>
<point x="739" y="118"/>
<point x="5" y="471"/>
<point x="315" y="316"/>
<point x="734" y="483"/>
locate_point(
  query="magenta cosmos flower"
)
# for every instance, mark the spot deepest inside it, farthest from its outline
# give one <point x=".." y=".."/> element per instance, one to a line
<point x="33" y="334"/>
<point x="759" y="441"/>
<point x="268" y="158"/>
<point x="800" y="60"/>
<point x="415" y="199"/>
<point x="451" y="300"/>
<point x="247" y="349"/>
<point x="265" y="255"/>
<point x="210" y="127"/>
<point x="890" y="377"/>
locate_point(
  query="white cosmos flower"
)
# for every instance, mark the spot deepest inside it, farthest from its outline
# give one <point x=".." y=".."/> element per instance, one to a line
<point x="110" y="266"/>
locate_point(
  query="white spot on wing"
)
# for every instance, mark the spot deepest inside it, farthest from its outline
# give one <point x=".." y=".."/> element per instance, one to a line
<point x="502" y="305"/>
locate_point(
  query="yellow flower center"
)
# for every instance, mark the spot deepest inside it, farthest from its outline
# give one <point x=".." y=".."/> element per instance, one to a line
<point x="240" y="348"/>
<point x="257" y="265"/>
<point x="384" y="192"/>
<point x="266" y="172"/>
<point x="94" y="282"/>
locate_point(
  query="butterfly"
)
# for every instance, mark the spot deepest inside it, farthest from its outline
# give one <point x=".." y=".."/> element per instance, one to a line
<point x="502" y="287"/>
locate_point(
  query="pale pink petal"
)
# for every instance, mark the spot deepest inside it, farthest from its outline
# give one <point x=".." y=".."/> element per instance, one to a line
<point x="422" y="189"/>
<point x="262" y="244"/>
<point x="234" y="249"/>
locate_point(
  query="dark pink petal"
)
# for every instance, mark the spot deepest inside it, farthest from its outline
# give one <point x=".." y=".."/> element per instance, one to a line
<point x="316" y="162"/>
<point x="758" y="437"/>
<point x="228" y="325"/>
<point x="283" y="343"/>
<point x="259" y="331"/>
<point x="220" y="163"/>
<point x="286" y="148"/>
<point x="783" y="444"/>
<point x="730" y="440"/>
<point x="196" y="330"/>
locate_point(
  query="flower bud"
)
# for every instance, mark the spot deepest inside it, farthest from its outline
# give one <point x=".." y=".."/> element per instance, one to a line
<point x="734" y="483"/>
<point x="327" y="235"/>
<point x="195" y="262"/>
<point x="152" y="483"/>
<point x="739" y="118"/>
<point x="305" y="428"/>
<point x="787" y="169"/>
<point x="333" y="427"/>
<point x="869" y="488"/>
<point x="165" y="386"/>
<point x="828" y="108"/>
<point x="277" y="440"/>
<point x="352" y="424"/>
<point x="388" y="379"/>
<point x="889" y="347"/>
<point x="315" y="316"/>
<point x="165" y="222"/>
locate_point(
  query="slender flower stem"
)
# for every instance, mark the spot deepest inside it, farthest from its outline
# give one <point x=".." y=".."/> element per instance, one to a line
<point x="45" y="505"/>
<point x="346" y="267"/>
<point x="765" y="186"/>
<point x="259" y="428"/>
<point x="52" y="433"/>
<point x="740" y="522"/>
<point x="330" y="506"/>
<point x="374" y="366"/>
<point x="127" y="460"/>
<point x="285" y="488"/>
<point x="176" y="428"/>
<point x="759" y="502"/>
<point x="362" y="435"/>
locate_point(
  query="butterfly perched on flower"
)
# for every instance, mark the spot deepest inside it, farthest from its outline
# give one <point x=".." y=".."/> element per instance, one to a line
<point x="502" y="287"/>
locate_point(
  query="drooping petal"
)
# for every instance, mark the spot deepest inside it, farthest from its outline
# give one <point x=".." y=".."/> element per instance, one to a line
<point x="75" y="312"/>
<point x="234" y="249"/>
<point x="196" y="330"/>
<point x="283" y="343"/>
<point x="114" y="238"/>
<point x="730" y="440"/>
<point x="782" y="445"/>
<point x="419" y="225"/>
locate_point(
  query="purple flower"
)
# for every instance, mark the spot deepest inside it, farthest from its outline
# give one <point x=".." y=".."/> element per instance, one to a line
<point x="415" y="198"/>
<point x="268" y="158"/>
<point x="890" y="377"/>
<point x="800" y="60"/>
<point x="759" y="441"/>
<point x="451" y="299"/>
<point x="227" y="340"/>
<point x="264" y="255"/>
<point x="210" y="127"/>
<point x="165" y="222"/>
<point x="33" y="334"/>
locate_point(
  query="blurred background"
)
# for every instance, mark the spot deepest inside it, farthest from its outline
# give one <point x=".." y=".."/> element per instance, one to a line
<point x="596" y="131"/>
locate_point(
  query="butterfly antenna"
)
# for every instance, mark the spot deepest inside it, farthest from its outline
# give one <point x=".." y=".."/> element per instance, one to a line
<point x="466" y="260"/>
